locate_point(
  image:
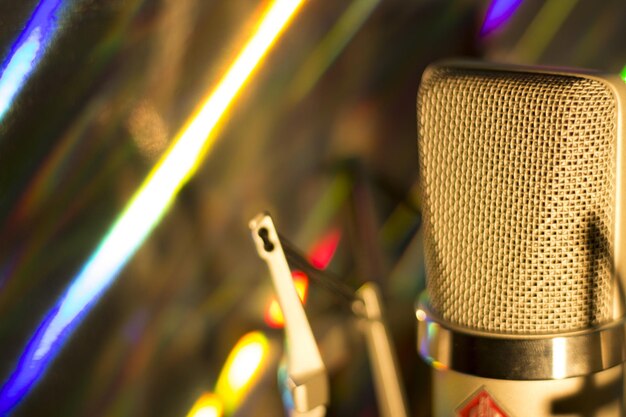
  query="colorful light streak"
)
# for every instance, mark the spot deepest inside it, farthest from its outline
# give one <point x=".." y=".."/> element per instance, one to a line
<point x="284" y="387"/>
<point x="431" y="333"/>
<point x="143" y="212"/>
<point x="623" y="74"/>
<point x="27" y="51"/>
<point x="498" y="14"/>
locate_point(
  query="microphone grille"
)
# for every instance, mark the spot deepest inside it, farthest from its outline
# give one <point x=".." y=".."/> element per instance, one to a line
<point x="519" y="185"/>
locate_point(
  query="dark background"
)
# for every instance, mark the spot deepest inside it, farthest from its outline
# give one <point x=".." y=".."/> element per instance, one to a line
<point x="323" y="136"/>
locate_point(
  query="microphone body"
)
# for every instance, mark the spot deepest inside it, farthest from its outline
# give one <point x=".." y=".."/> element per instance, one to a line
<point x="523" y="186"/>
<point x="599" y="394"/>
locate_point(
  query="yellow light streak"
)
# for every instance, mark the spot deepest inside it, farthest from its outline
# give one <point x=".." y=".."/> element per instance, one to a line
<point x="208" y="405"/>
<point x="243" y="366"/>
<point x="191" y="145"/>
<point x="542" y="29"/>
<point x="187" y="152"/>
<point x="331" y="45"/>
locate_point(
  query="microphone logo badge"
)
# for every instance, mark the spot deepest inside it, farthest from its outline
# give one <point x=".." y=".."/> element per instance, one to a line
<point x="481" y="404"/>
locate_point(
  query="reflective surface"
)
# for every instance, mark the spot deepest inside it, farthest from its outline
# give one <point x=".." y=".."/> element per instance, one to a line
<point x="93" y="95"/>
<point x="518" y="357"/>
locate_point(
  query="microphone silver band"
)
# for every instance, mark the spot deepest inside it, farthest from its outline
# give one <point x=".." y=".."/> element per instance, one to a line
<point x="518" y="357"/>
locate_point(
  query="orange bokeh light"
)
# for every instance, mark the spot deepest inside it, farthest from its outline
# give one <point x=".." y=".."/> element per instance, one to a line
<point x="273" y="314"/>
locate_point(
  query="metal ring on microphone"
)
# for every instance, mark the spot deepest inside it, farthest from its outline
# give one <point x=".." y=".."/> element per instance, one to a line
<point x="518" y="357"/>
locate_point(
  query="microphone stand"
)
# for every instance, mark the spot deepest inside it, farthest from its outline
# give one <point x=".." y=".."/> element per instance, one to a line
<point x="389" y="389"/>
<point x="307" y="375"/>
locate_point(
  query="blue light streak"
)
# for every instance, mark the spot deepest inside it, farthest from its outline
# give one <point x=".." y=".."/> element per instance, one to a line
<point x="498" y="13"/>
<point x="27" y="52"/>
<point x="62" y="319"/>
<point x="143" y="212"/>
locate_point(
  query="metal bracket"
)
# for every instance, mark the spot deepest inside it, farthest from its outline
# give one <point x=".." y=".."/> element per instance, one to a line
<point x="308" y="379"/>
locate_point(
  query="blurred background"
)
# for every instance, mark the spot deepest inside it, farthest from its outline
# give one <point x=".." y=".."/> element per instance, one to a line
<point x="133" y="154"/>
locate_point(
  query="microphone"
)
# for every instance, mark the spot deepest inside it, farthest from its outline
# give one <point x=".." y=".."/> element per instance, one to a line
<point x="522" y="174"/>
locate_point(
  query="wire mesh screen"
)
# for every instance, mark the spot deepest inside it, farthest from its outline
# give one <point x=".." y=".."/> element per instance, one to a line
<point x="518" y="181"/>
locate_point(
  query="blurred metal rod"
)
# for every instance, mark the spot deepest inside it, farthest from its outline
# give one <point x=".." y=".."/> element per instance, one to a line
<point x="389" y="388"/>
<point x="324" y="278"/>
